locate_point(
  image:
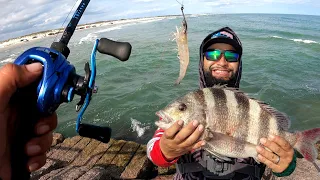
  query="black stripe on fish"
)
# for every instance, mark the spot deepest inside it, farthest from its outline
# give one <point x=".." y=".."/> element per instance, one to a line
<point x="264" y="123"/>
<point x="199" y="97"/>
<point x="221" y="108"/>
<point x="243" y="105"/>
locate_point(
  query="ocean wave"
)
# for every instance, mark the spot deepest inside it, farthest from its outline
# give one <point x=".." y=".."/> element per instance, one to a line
<point x="198" y="15"/>
<point x="278" y="37"/>
<point x="172" y="17"/>
<point x="117" y="25"/>
<point x="7" y="60"/>
<point x="110" y="29"/>
<point x="138" y="127"/>
<point x="306" y="41"/>
<point x="91" y="37"/>
<point x="120" y="24"/>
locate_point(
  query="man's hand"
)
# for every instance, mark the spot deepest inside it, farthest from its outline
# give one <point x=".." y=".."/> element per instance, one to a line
<point x="176" y="141"/>
<point x="13" y="77"/>
<point x="281" y="156"/>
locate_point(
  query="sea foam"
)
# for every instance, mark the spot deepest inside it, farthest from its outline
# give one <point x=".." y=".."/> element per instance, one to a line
<point x="138" y="127"/>
<point x="306" y="41"/>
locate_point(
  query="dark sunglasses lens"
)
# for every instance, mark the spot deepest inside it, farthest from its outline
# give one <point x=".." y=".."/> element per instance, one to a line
<point x="213" y="55"/>
<point x="231" y="56"/>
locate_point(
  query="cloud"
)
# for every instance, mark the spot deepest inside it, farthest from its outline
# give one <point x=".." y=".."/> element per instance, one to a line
<point x="130" y="12"/>
<point x="21" y="17"/>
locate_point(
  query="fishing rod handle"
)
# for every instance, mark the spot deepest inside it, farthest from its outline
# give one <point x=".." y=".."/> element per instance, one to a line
<point x="27" y="116"/>
<point x="35" y="101"/>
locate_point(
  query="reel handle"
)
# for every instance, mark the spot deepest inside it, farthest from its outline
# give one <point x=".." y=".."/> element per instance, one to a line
<point x="102" y="134"/>
<point x="119" y="50"/>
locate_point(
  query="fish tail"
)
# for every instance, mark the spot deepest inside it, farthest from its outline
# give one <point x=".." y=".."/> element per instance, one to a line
<point x="306" y="141"/>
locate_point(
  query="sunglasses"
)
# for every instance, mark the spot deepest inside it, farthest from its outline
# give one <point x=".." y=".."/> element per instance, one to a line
<point x="215" y="55"/>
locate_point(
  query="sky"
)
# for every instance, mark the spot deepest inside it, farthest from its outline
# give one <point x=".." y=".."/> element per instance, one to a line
<point x="22" y="17"/>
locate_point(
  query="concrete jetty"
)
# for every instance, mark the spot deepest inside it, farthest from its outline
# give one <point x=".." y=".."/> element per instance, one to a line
<point x="88" y="159"/>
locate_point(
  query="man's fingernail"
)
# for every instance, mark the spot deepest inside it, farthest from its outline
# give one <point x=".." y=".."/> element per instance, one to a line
<point x="33" y="149"/>
<point x="180" y="122"/>
<point x="271" y="137"/>
<point x="195" y="123"/>
<point x="43" y="129"/>
<point x="203" y="143"/>
<point x="200" y="128"/>
<point x="34" y="67"/>
<point x="33" y="166"/>
<point x="263" y="140"/>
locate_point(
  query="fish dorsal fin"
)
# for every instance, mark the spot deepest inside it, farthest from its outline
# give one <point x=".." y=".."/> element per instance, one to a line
<point x="282" y="119"/>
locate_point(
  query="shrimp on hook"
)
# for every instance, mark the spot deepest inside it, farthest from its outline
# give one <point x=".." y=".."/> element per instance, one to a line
<point x="183" y="50"/>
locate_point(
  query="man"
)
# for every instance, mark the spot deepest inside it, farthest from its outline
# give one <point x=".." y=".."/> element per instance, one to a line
<point x="220" y="63"/>
<point x="13" y="77"/>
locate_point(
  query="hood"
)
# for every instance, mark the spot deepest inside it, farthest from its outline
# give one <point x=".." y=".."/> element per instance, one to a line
<point x="223" y="35"/>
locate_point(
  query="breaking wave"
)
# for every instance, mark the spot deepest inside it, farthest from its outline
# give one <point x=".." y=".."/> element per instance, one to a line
<point x="306" y="41"/>
<point x="7" y="60"/>
<point x="91" y="37"/>
<point x="137" y="126"/>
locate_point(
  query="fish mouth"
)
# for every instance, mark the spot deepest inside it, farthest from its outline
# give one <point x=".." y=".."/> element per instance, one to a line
<point x="163" y="117"/>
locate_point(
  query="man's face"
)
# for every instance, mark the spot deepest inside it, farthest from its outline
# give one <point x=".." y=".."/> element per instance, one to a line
<point x="220" y="71"/>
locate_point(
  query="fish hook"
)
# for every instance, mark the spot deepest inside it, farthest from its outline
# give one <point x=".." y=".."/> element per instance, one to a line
<point x="184" y="18"/>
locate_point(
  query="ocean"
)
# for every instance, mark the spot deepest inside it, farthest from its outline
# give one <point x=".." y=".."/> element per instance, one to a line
<point x="281" y="61"/>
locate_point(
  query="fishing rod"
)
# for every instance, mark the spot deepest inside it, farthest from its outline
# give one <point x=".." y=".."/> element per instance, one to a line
<point x="58" y="84"/>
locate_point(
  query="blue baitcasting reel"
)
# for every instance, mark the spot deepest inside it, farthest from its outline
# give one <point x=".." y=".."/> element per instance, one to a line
<point x="58" y="84"/>
<point x="60" y="81"/>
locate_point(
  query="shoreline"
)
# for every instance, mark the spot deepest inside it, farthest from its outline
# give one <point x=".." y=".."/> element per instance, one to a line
<point x="55" y="32"/>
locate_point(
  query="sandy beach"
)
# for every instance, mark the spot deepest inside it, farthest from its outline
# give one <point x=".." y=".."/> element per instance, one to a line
<point x="55" y="32"/>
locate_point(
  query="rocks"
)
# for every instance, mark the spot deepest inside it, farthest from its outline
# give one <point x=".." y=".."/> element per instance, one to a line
<point x="56" y="156"/>
<point x="139" y="167"/>
<point x="88" y="159"/>
<point x="84" y="158"/>
<point x="57" y="139"/>
<point x="96" y="173"/>
<point x="120" y="161"/>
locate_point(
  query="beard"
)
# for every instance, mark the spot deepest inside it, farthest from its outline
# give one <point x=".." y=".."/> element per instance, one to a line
<point x="211" y="81"/>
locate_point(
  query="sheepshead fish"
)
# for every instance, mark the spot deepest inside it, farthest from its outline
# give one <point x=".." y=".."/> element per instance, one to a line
<point x="234" y="123"/>
<point x="183" y="50"/>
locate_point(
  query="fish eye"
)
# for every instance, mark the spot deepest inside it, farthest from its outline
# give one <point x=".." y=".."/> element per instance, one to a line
<point x="182" y="107"/>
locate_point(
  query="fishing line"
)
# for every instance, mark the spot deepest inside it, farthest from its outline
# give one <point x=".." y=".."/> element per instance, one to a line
<point x="65" y="20"/>
<point x="180" y="3"/>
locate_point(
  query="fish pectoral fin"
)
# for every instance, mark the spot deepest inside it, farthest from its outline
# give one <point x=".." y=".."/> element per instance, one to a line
<point x="218" y="156"/>
<point x="225" y="147"/>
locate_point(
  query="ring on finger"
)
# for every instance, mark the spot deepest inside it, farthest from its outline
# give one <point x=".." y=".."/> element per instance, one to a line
<point x="278" y="160"/>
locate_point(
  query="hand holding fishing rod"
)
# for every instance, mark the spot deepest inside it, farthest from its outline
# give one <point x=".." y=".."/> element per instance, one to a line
<point x="58" y="84"/>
